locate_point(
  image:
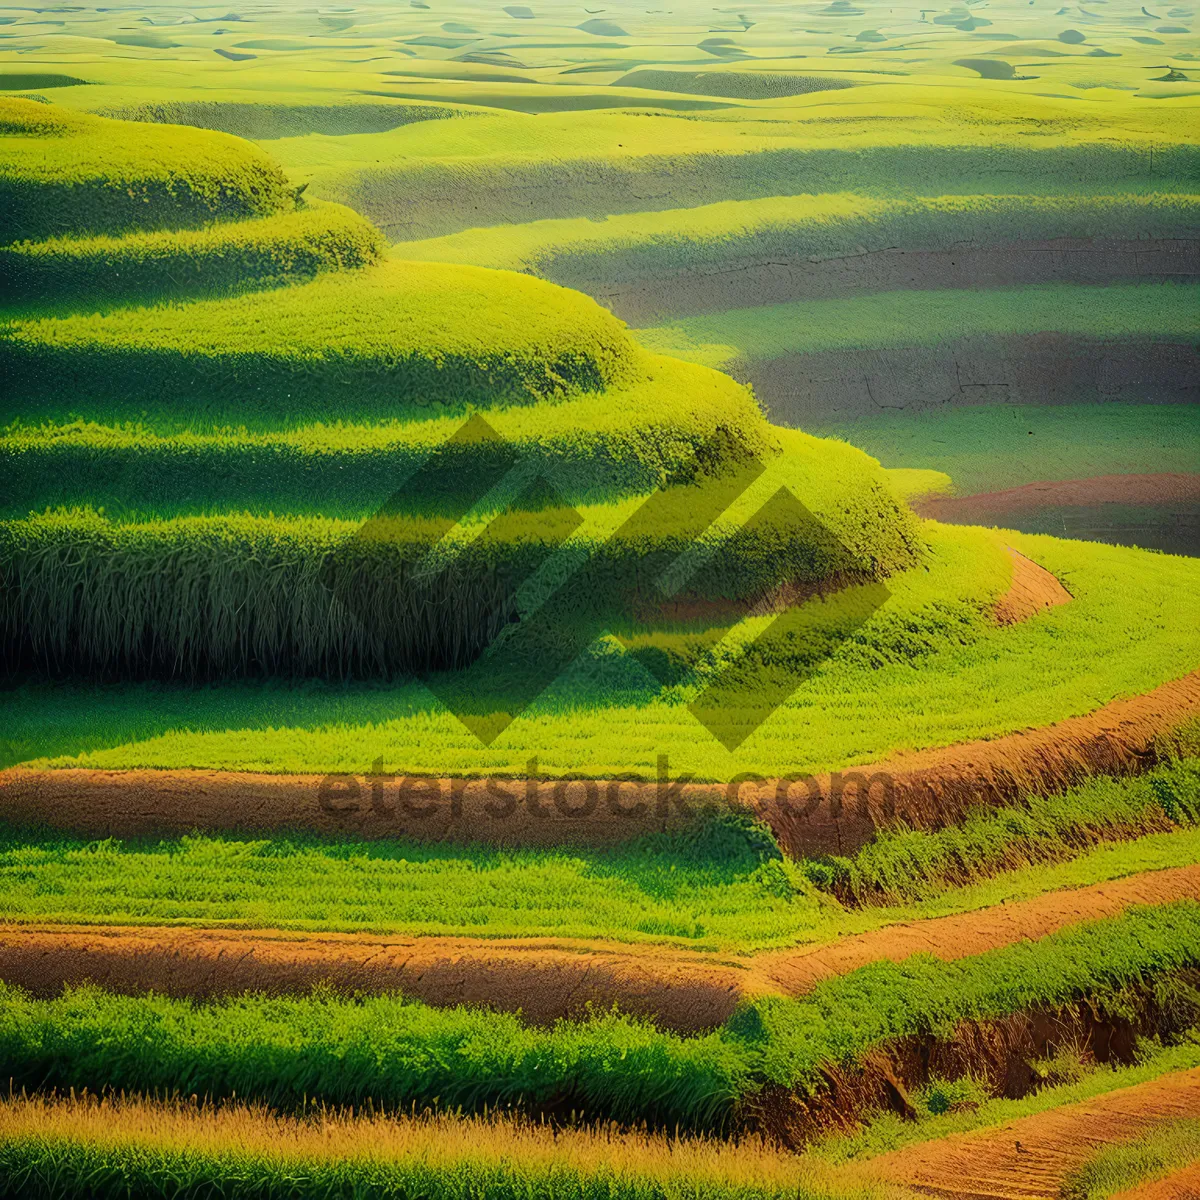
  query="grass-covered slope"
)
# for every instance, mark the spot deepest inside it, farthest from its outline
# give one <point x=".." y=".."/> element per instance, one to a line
<point x="64" y="172"/>
<point x="228" y="256"/>
<point x="398" y="337"/>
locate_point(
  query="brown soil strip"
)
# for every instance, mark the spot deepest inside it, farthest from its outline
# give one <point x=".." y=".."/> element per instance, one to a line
<point x="1032" y="1157"/>
<point x="819" y="814"/>
<point x="988" y="508"/>
<point x="544" y="978"/>
<point x="1033" y="589"/>
<point x="1179" y="1185"/>
<point x="1042" y="368"/>
<point x="782" y="279"/>
<point x="797" y="970"/>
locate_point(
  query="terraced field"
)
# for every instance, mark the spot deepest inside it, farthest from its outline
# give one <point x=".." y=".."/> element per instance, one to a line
<point x="519" y="677"/>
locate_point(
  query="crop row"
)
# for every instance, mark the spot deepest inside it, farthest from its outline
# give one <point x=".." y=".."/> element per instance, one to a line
<point x="650" y="245"/>
<point x="592" y="447"/>
<point x="91" y="1149"/>
<point x="395" y="337"/>
<point x="241" y="594"/>
<point x="69" y="171"/>
<point x="287" y="1051"/>
<point x="229" y="256"/>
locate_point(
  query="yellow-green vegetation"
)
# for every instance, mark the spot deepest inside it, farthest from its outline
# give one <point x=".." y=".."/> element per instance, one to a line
<point x="923" y="671"/>
<point x="84" y="1147"/>
<point x="400" y="336"/>
<point x="1160" y="1151"/>
<point x="322" y="1048"/>
<point x="987" y="448"/>
<point x="1113" y="312"/>
<point x="229" y="256"/>
<point x="67" y="172"/>
<point x="581" y="252"/>
<point x="722" y="886"/>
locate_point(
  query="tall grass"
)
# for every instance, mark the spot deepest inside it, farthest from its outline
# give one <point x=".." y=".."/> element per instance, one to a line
<point x="903" y="865"/>
<point x="63" y="171"/>
<point x="230" y="256"/>
<point x="289" y="1051"/>
<point x="397" y="337"/>
<point x="223" y="596"/>
<point x="1158" y="1152"/>
<point x="97" y="1149"/>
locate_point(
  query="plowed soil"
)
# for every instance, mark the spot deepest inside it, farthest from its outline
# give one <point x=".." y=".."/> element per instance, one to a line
<point x="1033" y="589"/>
<point x="543" y="978"/>
<point x="1180" y="1185"/>
<point x="991" y="508"/>
<point x="1031" y="1158"/>
<point x="817" y="815"/>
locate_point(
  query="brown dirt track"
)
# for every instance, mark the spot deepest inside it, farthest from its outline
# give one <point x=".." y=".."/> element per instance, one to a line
<point x="545" y="978"/>
<point x="1031" y="1158"/>
<point x="817" y="815"/>
<point x="986" y="508"/>
<point x="1033" y="589"/>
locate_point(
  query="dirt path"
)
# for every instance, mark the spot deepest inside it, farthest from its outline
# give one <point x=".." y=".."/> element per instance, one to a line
<point x="795" y="971"/>
<point x="1179" y="1185"/>
<point x="988" y="508"/>
<point x="1030" y="1158"/>
<point x="812" y="815"/>
<point x="1033" y="589"/>
<point x="545" y="978"/>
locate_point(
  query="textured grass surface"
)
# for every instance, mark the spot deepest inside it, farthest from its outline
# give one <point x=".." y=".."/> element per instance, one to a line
<point x="62" y="171"/>
<point x="291" y="1051"/>
<point x="231" y="256"/>
<point x="1124" y="632"/>
<point x="1160" y="312"/>
<point x="717" y="889"/>
<point x="398" y="337"/>
<point x="1122" y="1168"/>
<point x="728" y="234"/>
<point x="993" y="447"/>
<point x="69" y="1148"/>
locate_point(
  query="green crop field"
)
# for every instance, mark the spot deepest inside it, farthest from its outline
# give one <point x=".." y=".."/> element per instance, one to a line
<point x="782" y="416"/>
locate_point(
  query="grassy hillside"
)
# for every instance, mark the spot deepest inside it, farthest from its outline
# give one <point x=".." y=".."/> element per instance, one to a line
<point x="230" y="256"/>
<point x="64" y="172"/>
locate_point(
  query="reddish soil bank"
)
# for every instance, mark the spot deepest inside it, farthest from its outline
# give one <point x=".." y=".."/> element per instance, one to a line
<point x="991" y="508"/>
<point x="781" y="279"/>
<point x="1179" y="1185"/>
<point x="1033" y="589"/>
<point x="815" y="815"/>
<point x="1033" y="1157"/>
<point x="544" y="978"/>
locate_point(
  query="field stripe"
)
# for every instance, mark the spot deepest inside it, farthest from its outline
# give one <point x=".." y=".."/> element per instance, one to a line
<point x="544" y="978"/>
<point x="925" y="789"/>
<point x="1029" y="1159"/>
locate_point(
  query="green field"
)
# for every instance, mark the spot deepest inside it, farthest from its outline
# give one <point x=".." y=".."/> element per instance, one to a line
<point x="537" y="394"/>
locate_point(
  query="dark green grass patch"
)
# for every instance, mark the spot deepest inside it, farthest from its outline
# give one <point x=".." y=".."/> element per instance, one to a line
<point x="67" y="172"/>
<point x="231" y="256"/>
<point x="398" y="1054"/>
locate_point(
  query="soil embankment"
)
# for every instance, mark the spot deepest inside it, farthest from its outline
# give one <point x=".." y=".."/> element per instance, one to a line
<point x="1031" y="1158"/>
<point x="544" y="978"/>
<point x="828" y="813"/>
<point x="782" y="279"/>
<point x="1032" y="590"/>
